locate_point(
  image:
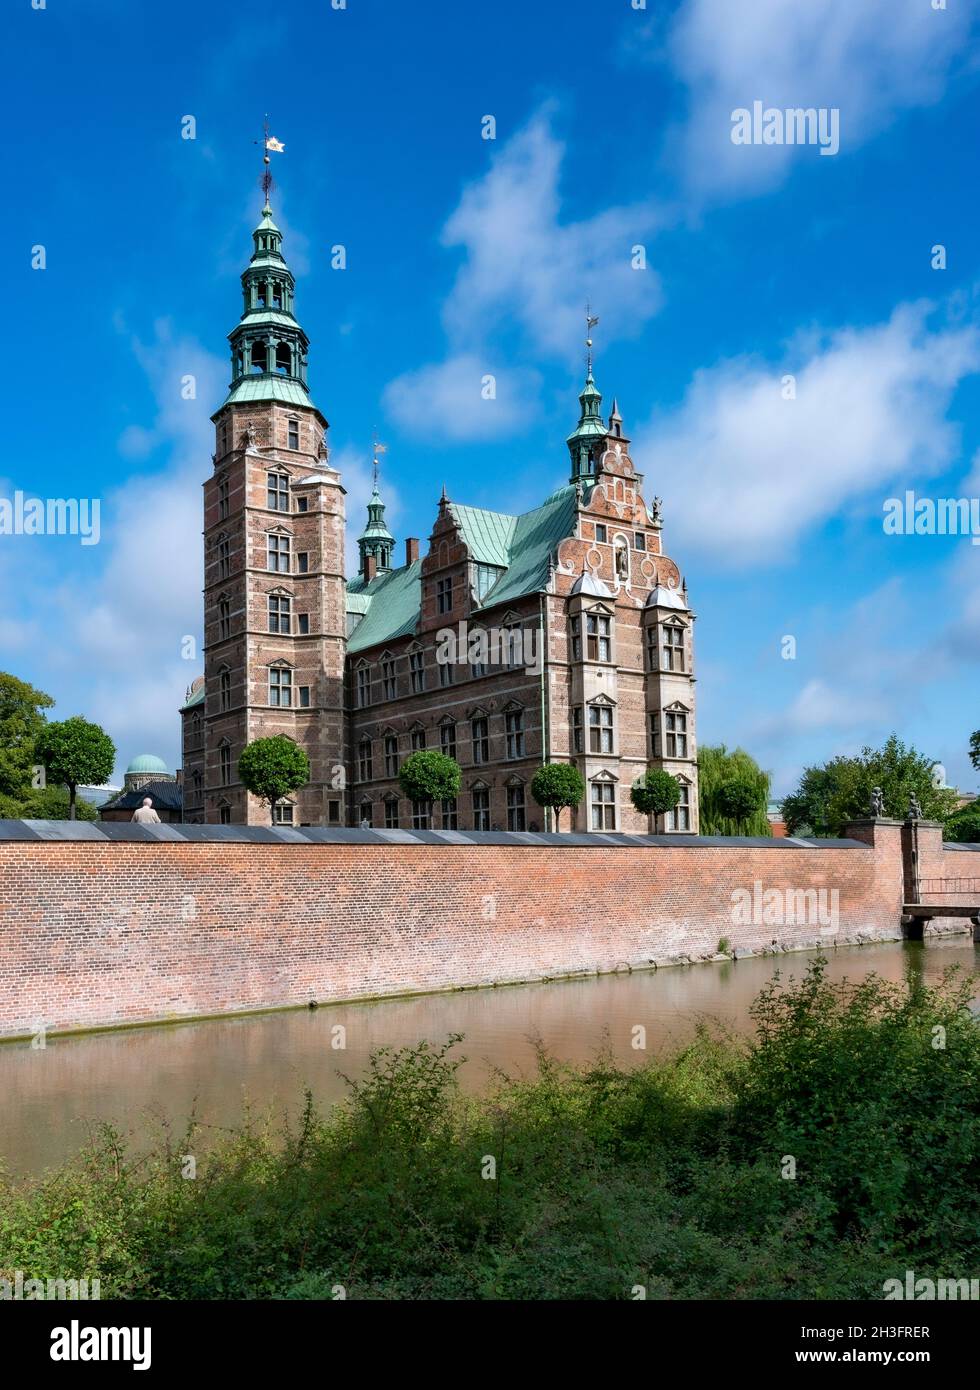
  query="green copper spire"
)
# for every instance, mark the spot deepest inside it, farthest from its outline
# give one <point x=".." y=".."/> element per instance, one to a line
<point x="268" y="346"/>
<point x="584" y="441"/>
<point x="376" y="539"/>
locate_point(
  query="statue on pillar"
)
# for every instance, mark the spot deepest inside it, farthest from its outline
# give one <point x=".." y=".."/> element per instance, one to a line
<point x="915" y="810"/>
<point x="877" y="803"/>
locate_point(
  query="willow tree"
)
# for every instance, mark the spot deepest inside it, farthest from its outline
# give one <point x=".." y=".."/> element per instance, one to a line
<point x="722" y="771"/>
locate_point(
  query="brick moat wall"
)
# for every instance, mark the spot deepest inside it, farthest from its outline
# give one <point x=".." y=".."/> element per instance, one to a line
<point x="98" y="931"/>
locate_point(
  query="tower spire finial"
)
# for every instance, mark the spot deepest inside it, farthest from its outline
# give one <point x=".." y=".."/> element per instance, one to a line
<point x="377" y="448"/>
<point x="590" y="322"/>
<point x="269" y="144"/>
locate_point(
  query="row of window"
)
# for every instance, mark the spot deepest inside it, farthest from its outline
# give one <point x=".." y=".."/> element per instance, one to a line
<point x="514" y="738"/>
<point x="602" y="536"/>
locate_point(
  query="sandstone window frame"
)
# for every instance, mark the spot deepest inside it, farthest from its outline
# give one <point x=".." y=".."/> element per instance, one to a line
<point x="515" y="732"/>
<point x="292" y="432"/>
<point x="480" y="804"/>
<point x="391" y="812"/>
<point x="603" y="808"/>
<point x="450" y="813"/>
<point x="222" y="547"/>
<point x="602" y="725"/>
<point x="678" y="821"/>
<point x="278" y="551"/>
<point x="279" y="611"/>
<point x="417" y="737"/>
<point x="284" y="813"/>
<point x="362" y="684"/>
<point x="224" y="689"/>
<point x="599" y="633"/>
<point x="365" y="759"/>
<point x="673" y="646"/>
<point x="516" y="797"/>
<point x="224" y="617"/>
<point x="277" y="491"/>
<point x="416" y="668"/>
<point x="389" y="745"/>
<point x="676" y="740"/>
<point x="389" y="675"/>
<point x="444" y="594"/>
<point x="224" y="763"/>
<point x="480" y="737"/>
<point x="280" y="685"/>
<point x="447" y="736"/>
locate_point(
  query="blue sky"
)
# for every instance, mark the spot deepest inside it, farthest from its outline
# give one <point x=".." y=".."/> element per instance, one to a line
<point x="467" y="256"/>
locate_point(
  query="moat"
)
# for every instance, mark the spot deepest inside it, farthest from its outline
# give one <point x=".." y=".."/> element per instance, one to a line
<point x="139" y="1078"/>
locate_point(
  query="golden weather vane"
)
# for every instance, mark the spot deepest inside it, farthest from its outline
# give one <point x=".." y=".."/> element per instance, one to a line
<point x="269" y="145"/>
<point x="377" y="449"/>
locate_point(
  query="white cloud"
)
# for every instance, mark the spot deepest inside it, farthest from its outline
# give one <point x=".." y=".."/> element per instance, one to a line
<point x="448" y="398"/>
<point x="524" y="266"/>
<point x="747" y="473"/>
<point x="871" y="59"/>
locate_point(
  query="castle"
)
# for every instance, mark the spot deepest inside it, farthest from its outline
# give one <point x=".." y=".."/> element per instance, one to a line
<point x="561" y="635"/>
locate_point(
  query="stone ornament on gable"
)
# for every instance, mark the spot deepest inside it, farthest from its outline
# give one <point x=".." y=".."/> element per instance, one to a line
<point x="657" y="514"/>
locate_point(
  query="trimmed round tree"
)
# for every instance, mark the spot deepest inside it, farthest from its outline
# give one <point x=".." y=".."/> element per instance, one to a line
<point x="271" y="768"/>
<point x="738" y="798"/>
<point x="426" y="776"/>
<point x="75" y="753"/>
<point x="655" y="793"/>
<point x="558" y="785"/>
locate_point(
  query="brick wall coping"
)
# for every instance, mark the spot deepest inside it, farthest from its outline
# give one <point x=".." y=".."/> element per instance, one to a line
<point x="955" y="845"/>
<point x="128" y="831"/>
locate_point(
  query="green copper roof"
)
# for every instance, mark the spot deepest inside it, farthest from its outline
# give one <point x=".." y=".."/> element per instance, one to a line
<point x="268" y="388"/>
<point x="376" y="528"/>
<point x="272" y="317"/>
<point x="590" y="423"/>
<point x="392" y="608"/>
<point x="523" y="546"/>
<point x="487" y="534"/>
<point x="147" y="762"/>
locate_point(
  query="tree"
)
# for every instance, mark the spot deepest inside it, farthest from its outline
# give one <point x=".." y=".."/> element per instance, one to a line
<point x="426" y="776"/>
<point x="975" y="749"/>
<point x="839" y="791"/>
<point x="738" y="799"/>
<point x="75" y="752"/>
<point x="21" y="721"/>
<point x="963" y="826"/>
<point x="47" y="803"/>
<point x="655" y="793"/>
<point x="558" y="785"/>
<point x="271" y="768"/>
<point x="717" y="766"/>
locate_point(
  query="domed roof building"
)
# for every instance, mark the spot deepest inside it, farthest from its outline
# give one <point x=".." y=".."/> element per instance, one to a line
<point x="146" y="775"/>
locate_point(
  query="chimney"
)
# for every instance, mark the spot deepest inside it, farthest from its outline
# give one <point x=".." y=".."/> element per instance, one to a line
<point x="411" y="550"/>
<point x="370" y="568"/>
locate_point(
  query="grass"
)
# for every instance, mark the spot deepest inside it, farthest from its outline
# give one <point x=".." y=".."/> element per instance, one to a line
<point x="834" y="1150"/>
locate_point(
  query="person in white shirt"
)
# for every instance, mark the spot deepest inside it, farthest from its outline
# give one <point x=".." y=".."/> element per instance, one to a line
<point x="145" y="814"/>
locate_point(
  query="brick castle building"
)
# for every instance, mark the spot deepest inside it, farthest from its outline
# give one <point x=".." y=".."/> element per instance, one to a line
<point x="561" y="635"/>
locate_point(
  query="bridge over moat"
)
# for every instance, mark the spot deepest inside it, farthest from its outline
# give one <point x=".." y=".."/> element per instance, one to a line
<point x="935" y="899"/>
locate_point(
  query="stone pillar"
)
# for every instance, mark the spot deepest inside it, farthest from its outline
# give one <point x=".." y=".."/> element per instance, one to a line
<point x="884" y="838"/>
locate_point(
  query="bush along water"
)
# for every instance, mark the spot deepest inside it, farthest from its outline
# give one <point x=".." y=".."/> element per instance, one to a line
<point x="835" y="1149"/>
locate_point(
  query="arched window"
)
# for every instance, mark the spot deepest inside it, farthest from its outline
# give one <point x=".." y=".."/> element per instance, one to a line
<point x="276" y="290"/>
<point x="284" y="359"/>
<point x="259" y="357"/>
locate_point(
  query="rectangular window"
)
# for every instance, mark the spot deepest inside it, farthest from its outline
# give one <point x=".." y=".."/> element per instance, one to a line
<point x="640" y="540"/>
<point x="600" y="533"/>
<point x="225" y="690"/>
<point x="421" y="815"/>
<point x="224" y="619"/>
<point x="575" y="629"/>
<point x="416" y="666"/>
<point x="389" y="680"/>
<point x="281" y="687"/>
<point x="303" y="624"/>
<point x="365" y="761"/>
<point x="304" y="697"/>
<point x="599" y="645"/>
<point x="447" y="739"/>
<point x="284" y="813"/>
<point x="652" y="648"/>
<point x="578" y="740"/>
<point x="481" y="740"/>
<point x="481" y="808"/>
<point x="675" y="735"/>
<point x="600" y="729"/>
<point x="655" y="735"/>
<point x="514" y="726"/>
<point x="278" y="491"/>
<point x="278" y="551"/>
<point x="279" y="613"/>
<point x="445" y="674"/>
<point x="444" y="595"/>
<point x="333" y="812"/>
<point x="294" y="434"/>
<point x="303" y="562"/>
<point x="302" y="504"/>
<point x="366" y="819"/>
<point x="515" y="808"/>
<point x="513" y="643"/>
<point x="450" y="815"/>
<point x="224" y="558"/>
<point x="223" y="498"/>
<point x="673" y="647"/>
<point x="680" y="817"/>
<point x="418" y="739"/>
<point x="224" y="764"/>
<point x="224" y="815"/>
<point x="391" y="815"/>
<point x="391" y="755"/>
<point x="603" y="806"/>
<point x="363" y="686"/>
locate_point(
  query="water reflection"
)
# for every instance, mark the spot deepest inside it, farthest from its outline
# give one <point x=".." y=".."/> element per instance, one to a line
<point x="52" y="1097"/>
